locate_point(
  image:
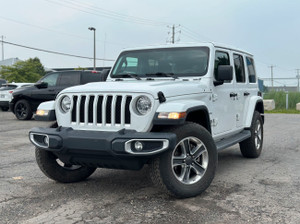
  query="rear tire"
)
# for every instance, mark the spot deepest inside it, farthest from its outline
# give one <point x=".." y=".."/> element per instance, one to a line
<point x="23" y="110"/>
<point x="5" y="108"/>
<point x="251" y="147"/>
<point x="189" y="168"/>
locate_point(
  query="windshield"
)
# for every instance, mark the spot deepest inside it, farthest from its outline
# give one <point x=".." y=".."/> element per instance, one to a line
<point x="188" y="61"/>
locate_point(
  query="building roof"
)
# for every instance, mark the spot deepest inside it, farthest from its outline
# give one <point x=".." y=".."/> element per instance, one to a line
<point x="9" y="61"/>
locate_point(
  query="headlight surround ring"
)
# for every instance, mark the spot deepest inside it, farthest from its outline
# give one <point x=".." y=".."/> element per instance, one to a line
<point x="143" y="105"/>
<point x="65" y="104"/>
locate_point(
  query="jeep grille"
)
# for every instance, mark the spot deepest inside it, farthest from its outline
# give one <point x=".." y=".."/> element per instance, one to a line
<point x="104" y="109"/>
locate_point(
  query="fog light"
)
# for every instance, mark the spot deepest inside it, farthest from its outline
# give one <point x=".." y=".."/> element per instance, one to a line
<point x="46" y="140"/>
<point x="138" y="146"/>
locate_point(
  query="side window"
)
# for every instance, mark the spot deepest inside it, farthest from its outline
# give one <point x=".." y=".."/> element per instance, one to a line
<point x="239" y="68"/>
<point x="128" y="65"/>
<point x="51" y="79"/>
<point x="251" y="70"/>
<point x="221" y="58"/>
<point x="69" y="79"/>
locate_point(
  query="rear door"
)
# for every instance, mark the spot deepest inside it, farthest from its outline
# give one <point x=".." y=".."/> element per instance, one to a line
<point x="241" y="88"/>
<point x="68" y="79"/>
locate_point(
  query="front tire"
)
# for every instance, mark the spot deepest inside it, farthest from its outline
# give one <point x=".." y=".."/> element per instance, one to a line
<point x="251" y="147"/>
<point x="56" y="170"/>
<point x="23" y="110"/>
<point x="189" y="168"/>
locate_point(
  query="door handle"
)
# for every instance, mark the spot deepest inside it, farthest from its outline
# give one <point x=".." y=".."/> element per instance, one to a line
<point x="233" y="94"/>
<point x="246" y="94"/>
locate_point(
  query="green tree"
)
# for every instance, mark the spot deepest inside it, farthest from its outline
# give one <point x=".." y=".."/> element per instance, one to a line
<point x="30" y="70"/>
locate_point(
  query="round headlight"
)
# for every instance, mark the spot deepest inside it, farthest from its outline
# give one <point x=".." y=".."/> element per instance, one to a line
<point x="65" y="104"/>
<point x="143" y="105"/>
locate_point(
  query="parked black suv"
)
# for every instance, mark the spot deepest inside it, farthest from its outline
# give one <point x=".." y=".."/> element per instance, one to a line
<point x="26" y="101"/>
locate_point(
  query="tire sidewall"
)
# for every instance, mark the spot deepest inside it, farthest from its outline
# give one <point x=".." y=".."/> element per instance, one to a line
<point x="257" y="117"/>
<point x="28" y="110"/>
<point x="168" y="177"/>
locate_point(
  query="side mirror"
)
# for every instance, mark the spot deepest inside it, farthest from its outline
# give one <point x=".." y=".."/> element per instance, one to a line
<point x="42" y="85"/>
<point x="224" y="73"/>
<point x="104" y="74"/>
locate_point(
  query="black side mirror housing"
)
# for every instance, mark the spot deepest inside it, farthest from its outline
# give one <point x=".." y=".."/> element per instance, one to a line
<point x="224" y="73"/>
<point x="41" y="85"/>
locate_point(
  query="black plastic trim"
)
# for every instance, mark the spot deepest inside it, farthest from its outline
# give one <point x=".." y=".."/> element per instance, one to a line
<point x="161" y="97"/>
<point x="100" y="148"/>
<point x="158" y="121"/>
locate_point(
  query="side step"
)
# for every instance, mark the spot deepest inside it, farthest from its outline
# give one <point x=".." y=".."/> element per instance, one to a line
<point x="227" y="142"/>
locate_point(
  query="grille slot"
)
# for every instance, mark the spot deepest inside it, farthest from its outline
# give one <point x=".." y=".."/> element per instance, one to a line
<point x="81" y="112"/>
<point x="104" y="110"/>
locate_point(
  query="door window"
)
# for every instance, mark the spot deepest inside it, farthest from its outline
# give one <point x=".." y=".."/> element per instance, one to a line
<point x="221" y="58"/>
<point x="51" y="79"/>
<point x="239" y="68"/>
<point x="251" y="70"/>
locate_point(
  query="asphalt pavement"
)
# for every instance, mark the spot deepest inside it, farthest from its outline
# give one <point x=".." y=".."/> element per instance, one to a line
<point x="263" y="190"/>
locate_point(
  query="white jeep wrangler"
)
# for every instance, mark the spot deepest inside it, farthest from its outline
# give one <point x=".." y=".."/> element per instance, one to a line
<point x="172" y="107"/>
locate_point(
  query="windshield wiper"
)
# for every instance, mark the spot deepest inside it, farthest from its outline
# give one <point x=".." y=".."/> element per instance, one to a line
<point x="135" y="76"/>
<point x="163" y="74"/>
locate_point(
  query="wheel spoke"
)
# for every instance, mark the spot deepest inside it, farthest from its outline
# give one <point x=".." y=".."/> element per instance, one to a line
<point x="198" y="168"/>
<point x="185" y="147"/>
<point x="178" y="161"/>
<point x="198" y="151"/>
<point x="187" y="172"/>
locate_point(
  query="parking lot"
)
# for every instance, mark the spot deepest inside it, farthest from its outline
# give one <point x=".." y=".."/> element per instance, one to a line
<point x="263" y="190"/>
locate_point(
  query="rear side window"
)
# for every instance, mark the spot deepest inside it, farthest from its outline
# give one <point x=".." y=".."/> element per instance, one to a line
<point x="221" y="58"/>
<point x="8" y="87"/>
<point x="90" y="77"/>
<point x="251" y="70"/>
<point x="239" y="68"/>
<point x="69" y="79"/>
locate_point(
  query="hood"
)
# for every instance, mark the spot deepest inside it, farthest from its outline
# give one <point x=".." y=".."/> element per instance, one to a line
<point x="170" y="88"/>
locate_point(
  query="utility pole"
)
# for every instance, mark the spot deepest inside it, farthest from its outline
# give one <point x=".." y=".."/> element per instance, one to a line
<point x="298" y="77"/>
<point x="2" y="37"/>
<point x="94" y="29"/>
<point x="104" y="49"/>
<point x="272" y="66"/>
<point x="173" y="34"/>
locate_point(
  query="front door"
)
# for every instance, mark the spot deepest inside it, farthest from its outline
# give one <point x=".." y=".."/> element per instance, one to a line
<point x="223" y="117"/>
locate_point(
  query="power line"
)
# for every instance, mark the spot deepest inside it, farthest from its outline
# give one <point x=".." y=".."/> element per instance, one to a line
<point x="55" y="52"/>
<point x="112" y="13"/>
<point x="195" y="34"/>
<point x="56" y="31"/>
<point x="102" y="14"/>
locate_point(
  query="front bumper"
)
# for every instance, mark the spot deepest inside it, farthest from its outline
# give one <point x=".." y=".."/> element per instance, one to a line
<point x="102" y="149"/>
<point x="4" y="104"/>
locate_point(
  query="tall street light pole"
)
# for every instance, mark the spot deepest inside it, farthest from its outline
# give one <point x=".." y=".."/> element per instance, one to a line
<point x="94" y="29"/>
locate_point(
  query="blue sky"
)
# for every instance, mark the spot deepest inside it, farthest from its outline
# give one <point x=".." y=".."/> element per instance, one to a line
<point x="268" y="29"/>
